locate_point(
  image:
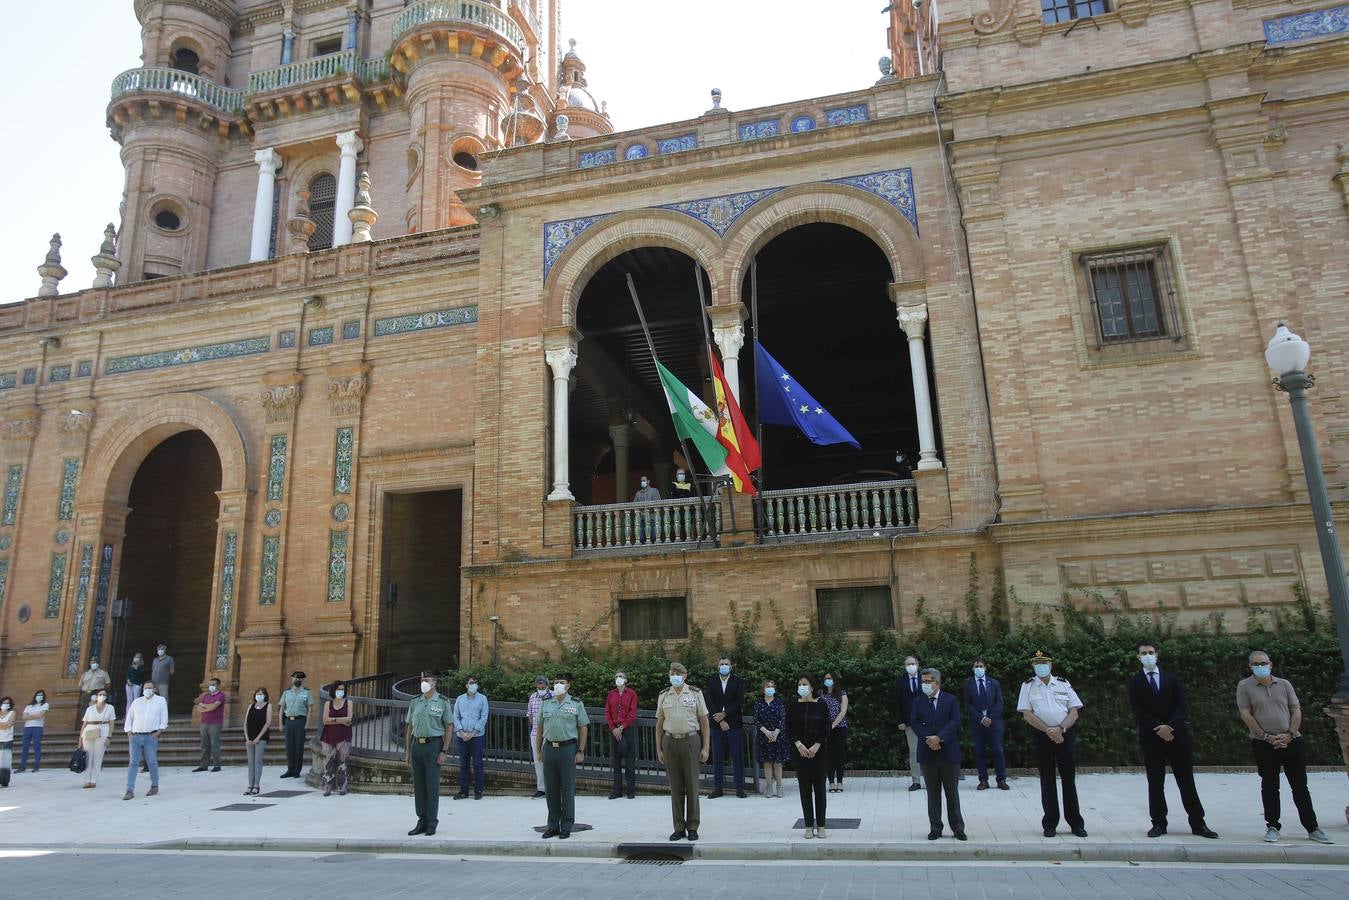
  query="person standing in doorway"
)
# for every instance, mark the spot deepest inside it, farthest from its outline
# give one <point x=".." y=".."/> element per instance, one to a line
<point x="563" y="728"/>
<point x="620" y="717"/>
<point x="808" y="735"/>
<point x="335" y="740"/>
<point x="1050" y="706"/>
<point x="535" y="703"/>
<point x="835" y="699"/>
<point x="161" y="670"/>
<point x="983" y="699"/>
<point x="725" y="693"/>
<point x="145" y="722"/>
<point x="430" y="725"/>
<point x="295" y="703"/>
<point x="34" y="724"/>
<point x="135" y="677"/>
<point x="470" y="730"/>
<point x="908" y="688"/>
<point x="7" y="716"/>
<point x="683" y="735"/>
<point x="770" y="744"/>
<point x="257" y="725"/>
<point x="212" y="706"/>
<point x="95" y="678"/>
<point x="95" y="729"/>
<point x="936" y="721"/>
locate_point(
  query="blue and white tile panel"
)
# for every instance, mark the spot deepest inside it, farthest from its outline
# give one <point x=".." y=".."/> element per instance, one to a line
<point x="1302" y="26"/>
<point x="186" y="356"/>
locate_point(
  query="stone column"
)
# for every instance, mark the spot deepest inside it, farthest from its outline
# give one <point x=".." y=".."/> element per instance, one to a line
<point x="913" y="321"/>
<point x="287" y="45"/>
<point x="350" y="145"/>
<point x="561" y="361"/>
<point x="621" y="436"/>
<point x="268" y="161"/>
<point x="352" y="19"/>
<point x="728" y="330"/>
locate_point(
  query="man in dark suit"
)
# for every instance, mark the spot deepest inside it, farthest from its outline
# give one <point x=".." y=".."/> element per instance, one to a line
<point x="908" y="688"/>
<point x="725" y="696"/>
<point x="1158" y="702"/>
<point x="983" y="699"/>
<point x="935" y="719"/>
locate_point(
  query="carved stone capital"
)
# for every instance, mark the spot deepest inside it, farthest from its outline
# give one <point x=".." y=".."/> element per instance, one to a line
<point x="75" y="427"/>
<point x="280" y="402"/>
<point x="912" y="320"/>
<point x="346" y="390"/>
<point x="730" y="339"/>
<point x="561" y="360"/>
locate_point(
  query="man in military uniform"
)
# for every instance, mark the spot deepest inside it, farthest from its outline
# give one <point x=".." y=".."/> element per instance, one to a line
<point x="681" y="718"/>
<point x="430" y="722"/>
<point x="1050" y="705"/>
<point x="561" y="741"/>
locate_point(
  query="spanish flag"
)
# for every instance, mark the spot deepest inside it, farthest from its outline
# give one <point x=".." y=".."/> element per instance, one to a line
<point x="742" y="451"/>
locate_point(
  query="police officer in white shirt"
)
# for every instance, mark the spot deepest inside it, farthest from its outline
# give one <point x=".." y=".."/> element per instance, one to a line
<point x="1049" y="704"/>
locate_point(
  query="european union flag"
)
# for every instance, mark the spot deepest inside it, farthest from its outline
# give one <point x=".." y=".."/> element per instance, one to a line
<point x="782" y="401"/>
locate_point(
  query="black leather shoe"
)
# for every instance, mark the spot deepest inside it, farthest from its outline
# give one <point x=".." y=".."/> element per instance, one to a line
<point x="715" y="794"/>
<point x="614" y="795"/>
<point x="960" y="836"/>
<point x="1002" y="786"/>
<point x="552" y="832"/>
<point x="677" y="835"/>
<point x="477" y="796"/>
<point x="538" y="794"/>
<point x="632" y="795"/>
<point x="933" y="835"/>
<point x="563" y="835"/>
<point x="430" y="830"/>
<point x="420" y="829"/>
<point x="460" y="797"/>
<point x="693" y="834"/>
<point x="983" y="786"/>
<point x="1080" y="831"/>
<point x="740" y="794"/>
<point x="1049" y="832"/>
<point x="215" y="768"/>
<point x="915" y="787"/>
<point x="197" y="769"/>
<point x="1206" y="832"/>
<point x="1156" y="831"/>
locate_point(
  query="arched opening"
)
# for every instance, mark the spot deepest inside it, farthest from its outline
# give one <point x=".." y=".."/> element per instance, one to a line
<point x="824" y="313"/>
<point x="620" y="425"/>
<point x="168" y="561"/>
<point x="322" y="205"/>
<point x="186" y="60"/>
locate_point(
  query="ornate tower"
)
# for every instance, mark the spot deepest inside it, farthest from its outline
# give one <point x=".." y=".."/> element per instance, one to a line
<point x="586" y="118"/>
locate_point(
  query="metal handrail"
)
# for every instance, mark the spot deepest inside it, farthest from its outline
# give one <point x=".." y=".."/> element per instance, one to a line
<point x="159" y="80"/>
<point x="471" y="12"/>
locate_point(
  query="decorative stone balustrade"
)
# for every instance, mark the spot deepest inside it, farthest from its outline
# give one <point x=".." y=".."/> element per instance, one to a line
<point x="178" y="83"/>
<point x="455" y="12"/>
<point x="309" y="70"/>
<point x="660" y="525"/>
<point x="881" y="506"/>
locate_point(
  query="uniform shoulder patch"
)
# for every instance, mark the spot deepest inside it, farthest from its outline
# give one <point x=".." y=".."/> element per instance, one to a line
<point x="1029" y="680"/>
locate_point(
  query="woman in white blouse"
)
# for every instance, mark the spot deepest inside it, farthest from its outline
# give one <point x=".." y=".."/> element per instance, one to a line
<point x="34" y="722"/>
<point x="94" y="733"/>
<point x="6" y="739"/>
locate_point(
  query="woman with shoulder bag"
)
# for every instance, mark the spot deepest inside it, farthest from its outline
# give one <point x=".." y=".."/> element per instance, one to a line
<point x="6" y="739"/>
<point x="256" y="725"/>
<point x="94" y="734"/>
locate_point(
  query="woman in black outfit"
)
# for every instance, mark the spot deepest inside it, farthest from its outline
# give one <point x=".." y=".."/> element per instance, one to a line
<point x="808" y="735"/>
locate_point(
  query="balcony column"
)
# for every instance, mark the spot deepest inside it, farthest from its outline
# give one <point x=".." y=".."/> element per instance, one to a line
<point x="350" y="145"/>
<point x="621" y="435"/>
<point x="728" y="330"/>
<point x="561" y="361"/>
<point x="287" y="46"/>
<point x="268" y="161"/>
<point x="913" y="322"/>
<point x="352" y="19"/>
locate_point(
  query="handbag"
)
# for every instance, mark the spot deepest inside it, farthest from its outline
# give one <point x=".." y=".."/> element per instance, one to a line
<point x="79" y="760"/>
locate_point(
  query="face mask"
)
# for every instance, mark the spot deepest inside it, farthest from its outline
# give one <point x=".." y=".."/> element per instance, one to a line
<point x="803" y="690"/>
<point x="259" y="697"/>
<point x="473" y="689"/>
<point x="559" y="690"/>
<point x="339" y="693"/>
<point x="679" y="476"/>
<point x="1149" y="660"/>
<point x="101" y="699"/>
<point x="148" y="692"/>
<point x="93" y="666"/>
<point x="1260" y="671"/>
<point x="295" y="681"/>
<point x="912" y="670"/>
<point x="725" y="670"/>
<point x="1042" y="670"/>
<point x="978" y="671"/>
<point x="214" y="688"/>
<point x="829" y="682"/>
<point x="928" y="688"/>
<point x="676" y="680"/>
<point x="543" y="692"/>
<point x="426" y="687"/>
<point x="620" y="681"/>
<point x="40" y="697"/>
<point x="768" y="692"/>
<point x="4" y="706"/>
<point x="160" y="652"/>
<point x="645" y="483"/>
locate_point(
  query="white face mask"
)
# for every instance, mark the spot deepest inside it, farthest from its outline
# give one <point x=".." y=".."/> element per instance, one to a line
<point x="803" y="690"/>
<point x="4" y="706"/>
<point x="1149" y="660"/>
<point x="39" y="698"/>
<point x="559" y="690"/>
<point x="426" y="687"/>
<point x="473" y="689"/>
<point x="676" y="680"/>
<point x="160" y="652"/>
<point x="339" y="693"/>
<point x="213" y="689"/>
<point x="645" y="483"/>
<point x="543" y="692"/>
<point x="978" y="671"/>
<point x="620" y="681"/>
<point x="147" y="692"/>
<point x="928" y="688"/>
<point x="93" y="666"/>
<point x="101" y="699"/>
<point x="1042" y="670"/>
<point x="911" y="669"/>
<point x="259" y="697"/>
<point x="769" y="692"/>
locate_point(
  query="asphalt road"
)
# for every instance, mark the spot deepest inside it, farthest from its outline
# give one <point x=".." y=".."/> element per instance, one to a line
<point x="225" y="875"/>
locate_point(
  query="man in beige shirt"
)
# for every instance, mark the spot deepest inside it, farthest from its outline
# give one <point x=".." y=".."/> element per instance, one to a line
<point x="683" y="735"/>
<point x="1270" y="709"/>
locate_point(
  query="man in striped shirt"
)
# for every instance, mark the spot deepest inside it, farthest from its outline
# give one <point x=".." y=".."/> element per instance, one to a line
<point x="535" y="703"/>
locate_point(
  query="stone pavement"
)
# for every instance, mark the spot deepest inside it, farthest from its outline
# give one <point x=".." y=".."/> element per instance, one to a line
<point x="50" y="809"/>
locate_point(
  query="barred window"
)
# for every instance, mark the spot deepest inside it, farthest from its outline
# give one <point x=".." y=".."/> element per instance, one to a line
<point x="1133" y="296"/>
<point x="865" y="608"/>
<point x="1064" y="10"/>
<point x="322" y="202"/>
<point x="653" y="618"/>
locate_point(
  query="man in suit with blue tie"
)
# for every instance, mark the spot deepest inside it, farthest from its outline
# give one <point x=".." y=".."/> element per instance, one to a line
<point x="935" y="720"/>
<point x="908" y="688"/>
<point x="983" y="699"/>
<point x="1158" y="702"/>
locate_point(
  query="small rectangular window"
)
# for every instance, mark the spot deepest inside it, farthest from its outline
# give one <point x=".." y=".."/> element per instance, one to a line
<point x="653" y="618"/>
<point x="1064" y="10"/>
<point x="865" y="608"/>
<point x="1132" y="295"/>
<point x="328" y="46"/>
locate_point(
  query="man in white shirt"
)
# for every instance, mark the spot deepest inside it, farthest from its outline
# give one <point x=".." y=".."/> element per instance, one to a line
<point x="146" y="718"/>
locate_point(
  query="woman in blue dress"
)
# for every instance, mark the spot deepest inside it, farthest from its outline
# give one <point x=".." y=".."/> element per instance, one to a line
<point x="770" y="748"/>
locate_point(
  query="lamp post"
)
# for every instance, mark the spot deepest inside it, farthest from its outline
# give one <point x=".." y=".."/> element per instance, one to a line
<point x="1288" y="354"/>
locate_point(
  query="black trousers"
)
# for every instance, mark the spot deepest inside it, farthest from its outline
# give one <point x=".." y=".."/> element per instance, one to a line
<point x="295" y="745"/>
<point x="1157" y="753"/>
<point x="810" y="782"/>
<point x="624" y="758"/>
<point x="1050" y="756"/>
<point x="1293" y="760"/>
<point x="838" y="753"/>
<point x="941" y="777"/>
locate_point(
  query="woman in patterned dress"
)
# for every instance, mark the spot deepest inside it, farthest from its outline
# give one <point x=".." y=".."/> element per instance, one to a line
<point x="836" y="699"/>
<point x="770" y="748"/>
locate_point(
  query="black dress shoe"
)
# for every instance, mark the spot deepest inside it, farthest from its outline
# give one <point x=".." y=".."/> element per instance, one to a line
<point x="197" y="769"/>
<point x="933" y="835"/>
<point x="538" y="794"/>
<point x="715" y="794"/>
<point x="983" y="786"/>
<point x="915" y="787"/>
<point x="1002" y="786"/>
<point x="460" y="796"/>
<point x="677" y="835"/>
<point x="1049" y="832"/>
<point x="960" y="836"/>
<point x="477" y="796"/>
<point x="563" y="834"/>
<point x="215" y="769"/>
<point x="614" y="795"/>
<point x="1156" y="831"/>
<point x="693" y="834"/>
<point x="552" y="832"/>
<point x="430" y="830"/>
<point x="1206" y="832"/>
<point x="420" y="829"/>
<point x="740" y="794"/>
<point x="632" y="795"/>
<point x="1079" y="831"/>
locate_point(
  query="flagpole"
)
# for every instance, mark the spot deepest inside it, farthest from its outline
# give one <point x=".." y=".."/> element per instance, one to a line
<point x="683" y="447"/>
<point x="754" y="369"/>
<point x="707" y="344"/>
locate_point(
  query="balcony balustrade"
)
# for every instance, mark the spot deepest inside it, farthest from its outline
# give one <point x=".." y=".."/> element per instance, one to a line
<point x="176" y="82"/>
<point x="454" y="12"/>
<point x="837" y="510"/>
<point x="303" y="72"/>
<point x="660" y="525"/>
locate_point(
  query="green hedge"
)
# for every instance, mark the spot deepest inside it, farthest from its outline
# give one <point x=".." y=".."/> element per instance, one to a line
<point x="1095" y="652"/>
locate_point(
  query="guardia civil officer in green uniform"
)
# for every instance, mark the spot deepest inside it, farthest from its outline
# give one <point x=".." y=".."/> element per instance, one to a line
<point x="430" y="722"/>
<point x="560" y="742"/>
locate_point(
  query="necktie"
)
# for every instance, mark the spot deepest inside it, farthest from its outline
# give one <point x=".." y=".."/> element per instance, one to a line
<point x="983" y="695"/>
<point x="913" y="685"/>
<point x="1152" y="676"/>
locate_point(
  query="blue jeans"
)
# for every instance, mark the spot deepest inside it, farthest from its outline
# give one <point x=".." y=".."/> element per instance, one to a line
<point x="470" y="751"/>
<point x="32" y="737"/>
<point x="723" y="743"/>
<point x="143" y="746"/>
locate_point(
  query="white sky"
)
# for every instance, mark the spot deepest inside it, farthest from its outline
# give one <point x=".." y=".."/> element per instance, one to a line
<point x="652" y="61"/>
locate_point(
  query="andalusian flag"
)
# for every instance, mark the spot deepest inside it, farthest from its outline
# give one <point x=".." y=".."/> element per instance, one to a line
<point x="695" y="421"/>
<point x="742" y="451"/>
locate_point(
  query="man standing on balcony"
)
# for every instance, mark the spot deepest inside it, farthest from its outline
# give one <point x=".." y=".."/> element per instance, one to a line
<point x="725" y="701"/>
<point x="646" y="522"/>
<point x="682" y="489"/>
<point x="470" y="727"/>
<point x="682" y="734"/>
<point x="620" y="715"/>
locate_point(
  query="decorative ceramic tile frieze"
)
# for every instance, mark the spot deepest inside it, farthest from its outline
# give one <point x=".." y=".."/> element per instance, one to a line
<point x="8" y="380"/>
<point x="753" y="131"/>
<point x="56" y="582"/>
<point x="1318" y="23"/>
<point x="340" y="512"/>
<point x="557" y="236"/>
<point x="320" y="336"/>
<point x="720" y="213"/>
<point x="273" y="518"/>
<point x="271" y="558"/>
<point x="803" y="123"/>
<point x="62" y="537"/>
<point x="592" y="158"/>
<point x="13" y="481"/>
<point x="846" y="115"/>
<point x="276" y="468"/>
<point x="351" y="330"/>
<point x="187" y="355"/>
<point x="342" y="461"/>
<point x="4" y="581"/>
<point x="681" y="144"/>
<point x="81" y="609"/>
<point x="894" y="187"/>
<point x="636" y="151"/>
<point x="225" y="617"/>
<point x="337" y="566"/>
<point x="440" y="318"/>
<point x="70" y="473"/>
<point x="101" y="601"/>
<point x="285" y="339"/>
<point x="6" y="541"/>
<point x="85" y="368"/>
<point x="30" y="376"/>
<point x="58" y="373"/>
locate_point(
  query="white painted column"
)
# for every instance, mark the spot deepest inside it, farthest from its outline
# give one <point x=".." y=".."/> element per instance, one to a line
<point x="730" y="339"/>
<point x="268" y="161"/>
<point x="350" y="145"/>
<point x="561" y="361"/>
<point x="622" y="438"/>
<point x="913" y="321"/>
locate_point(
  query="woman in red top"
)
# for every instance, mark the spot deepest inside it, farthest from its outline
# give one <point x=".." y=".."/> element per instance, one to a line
<point x="620" y="716"/>
<point x="336" y="739"/>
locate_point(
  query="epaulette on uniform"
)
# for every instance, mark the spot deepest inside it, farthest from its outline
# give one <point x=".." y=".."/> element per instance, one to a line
<point x="1029" y="680"/>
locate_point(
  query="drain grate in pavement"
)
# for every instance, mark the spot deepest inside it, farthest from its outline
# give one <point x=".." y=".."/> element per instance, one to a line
<point x="833" y="823"/>
<point x="242" y="807"/>
<point x="284" y="794"/>
<point x="655" y="854"/>
<point x="654" y="860"/>
<point x="579" y="826"/>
